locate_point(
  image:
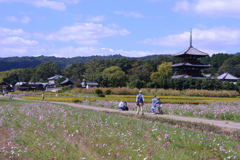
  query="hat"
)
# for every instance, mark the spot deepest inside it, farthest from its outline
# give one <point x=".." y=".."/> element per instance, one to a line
<point x="157" y="98"/>
<point x="140" y="91"/>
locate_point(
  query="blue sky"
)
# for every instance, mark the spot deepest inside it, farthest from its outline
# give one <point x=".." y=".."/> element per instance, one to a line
<point x="134" y="28"/>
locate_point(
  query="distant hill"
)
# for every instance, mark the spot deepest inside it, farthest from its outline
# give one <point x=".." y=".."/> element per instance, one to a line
<point x="27" y="62"/>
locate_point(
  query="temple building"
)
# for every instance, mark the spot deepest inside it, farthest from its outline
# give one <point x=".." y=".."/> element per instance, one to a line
<point x="228" y="77"/>
<point x="190" y="66"/>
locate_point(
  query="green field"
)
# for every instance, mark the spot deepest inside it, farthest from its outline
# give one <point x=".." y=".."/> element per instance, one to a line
<point x="47" y="131"/>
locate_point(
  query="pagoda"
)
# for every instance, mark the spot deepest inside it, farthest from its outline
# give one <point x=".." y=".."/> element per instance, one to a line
<point x="190" y="66"/>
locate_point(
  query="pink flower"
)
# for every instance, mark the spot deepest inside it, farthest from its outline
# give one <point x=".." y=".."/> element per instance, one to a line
<point x="145" y="137"/>
<point x="166" y="136"/>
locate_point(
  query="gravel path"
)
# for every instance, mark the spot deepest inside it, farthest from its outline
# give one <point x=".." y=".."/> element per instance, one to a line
<point x="226" y="124"/>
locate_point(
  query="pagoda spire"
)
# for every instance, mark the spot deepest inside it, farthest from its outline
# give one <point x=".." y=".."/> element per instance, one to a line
<point x="191" y="38"/>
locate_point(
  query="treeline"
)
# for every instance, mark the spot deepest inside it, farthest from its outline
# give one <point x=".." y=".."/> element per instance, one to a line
<point x="28" y="62"/>
<point x="119" y="72"/>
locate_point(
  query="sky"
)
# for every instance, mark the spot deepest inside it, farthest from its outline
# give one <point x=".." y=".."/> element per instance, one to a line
<point x="133" y="28"/>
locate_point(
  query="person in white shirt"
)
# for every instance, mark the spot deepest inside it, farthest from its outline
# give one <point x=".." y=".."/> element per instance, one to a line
<point x="121" y="105"/>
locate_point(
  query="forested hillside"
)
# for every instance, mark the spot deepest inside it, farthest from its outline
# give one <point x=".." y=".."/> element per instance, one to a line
<point x="151" y="71"/>
<point x="27" y="62"/>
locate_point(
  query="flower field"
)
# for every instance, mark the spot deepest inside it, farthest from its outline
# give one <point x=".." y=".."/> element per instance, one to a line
<point x="215" y="111"/>
<point x="47" y="131"/>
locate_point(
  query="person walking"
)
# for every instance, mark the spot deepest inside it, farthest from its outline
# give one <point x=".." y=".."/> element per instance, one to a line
<point x="140" y="102"/>
<point x="3" y="92"/>
<point x="43" y="96"/>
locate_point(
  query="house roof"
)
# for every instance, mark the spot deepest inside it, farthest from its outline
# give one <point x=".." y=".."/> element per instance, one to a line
<point x="191" y="51"/>
<point x="67" y="81"/>
<point x="92" y="83"/>
<point x="89" y="83"/>
<point x="55" y="77"/>
<point x="187" y="76"/>
<point x="191" y="65"/>
<point x="20" y="83"/>
<point x="4" y="84"/>
<point x="44" y="84"/>
<point x="227" y="76"/>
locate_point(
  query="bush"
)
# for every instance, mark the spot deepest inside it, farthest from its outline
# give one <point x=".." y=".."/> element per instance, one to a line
<point x="108" y="92"/>
<point x="98" y="91"/>
<point x="101" y="95"/>
<point x="63" y="89"/>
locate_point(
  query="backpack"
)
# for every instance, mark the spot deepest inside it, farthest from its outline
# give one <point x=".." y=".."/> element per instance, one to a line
<point x="140" y="98"/>
<point x="158" y="109"/>
<point x="125" y="108"/>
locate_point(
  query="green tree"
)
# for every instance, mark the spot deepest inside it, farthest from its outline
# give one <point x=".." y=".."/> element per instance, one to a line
<point x="164" y="71"/>
<point x="114" y="76"/>
<point x="46" y="70"/>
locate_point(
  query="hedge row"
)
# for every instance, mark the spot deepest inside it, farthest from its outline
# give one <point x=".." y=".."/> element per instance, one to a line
<point x="60" y="99"/>
<point x="80" y="99"/>
<point x="213" y="99"/>
<point x="40" y="93"/>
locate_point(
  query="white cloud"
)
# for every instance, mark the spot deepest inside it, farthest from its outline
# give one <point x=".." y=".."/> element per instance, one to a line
<point x="83" y="33"/>
<point x="56" y="5"/>
<point x="95" y="18"/>
<point x="25" y="19"/>
<point x="211" y="8"/>
<point x="89" y="51"/>
<point x="5" y="32"/>
<point x="130" y="14"/>
<point x="217" y="38"/>
<point x="14" y="43"/>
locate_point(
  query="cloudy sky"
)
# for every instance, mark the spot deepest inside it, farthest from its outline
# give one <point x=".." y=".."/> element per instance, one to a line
<point x="134" y="28"/>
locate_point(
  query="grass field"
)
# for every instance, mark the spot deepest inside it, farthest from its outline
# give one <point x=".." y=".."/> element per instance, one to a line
<point x="47" y="131"/>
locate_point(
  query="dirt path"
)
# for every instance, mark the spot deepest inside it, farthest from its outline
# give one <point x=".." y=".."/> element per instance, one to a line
<point x="226" y="124"/>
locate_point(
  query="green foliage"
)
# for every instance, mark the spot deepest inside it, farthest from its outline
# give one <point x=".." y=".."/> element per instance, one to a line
<point x="98" y="91"/>
<point x="231" y="65"/>
<point x="46" y="70"/>
<point x="164" y="71"/>
<point x="108" y="92"/>
<point x="114" y="76"/>
<point x="63" y="89"/>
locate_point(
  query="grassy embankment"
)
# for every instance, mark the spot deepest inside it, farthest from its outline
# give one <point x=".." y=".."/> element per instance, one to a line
<point x="46" y="131"/>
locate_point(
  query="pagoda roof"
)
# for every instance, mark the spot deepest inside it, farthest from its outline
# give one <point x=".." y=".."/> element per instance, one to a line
<point x="191" y="51"/>
<point x="191" y="65"/>
<point x="227" y="76"/>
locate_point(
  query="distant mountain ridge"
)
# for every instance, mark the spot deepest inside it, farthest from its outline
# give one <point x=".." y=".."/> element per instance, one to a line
<point x="27" y="62"/>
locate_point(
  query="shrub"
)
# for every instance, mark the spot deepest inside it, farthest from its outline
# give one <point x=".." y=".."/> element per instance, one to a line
<point x="98" y="91"/>
<point x="108" y="92"/>
<point x="101" y="95"/>
<point x="63" y="89"/>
